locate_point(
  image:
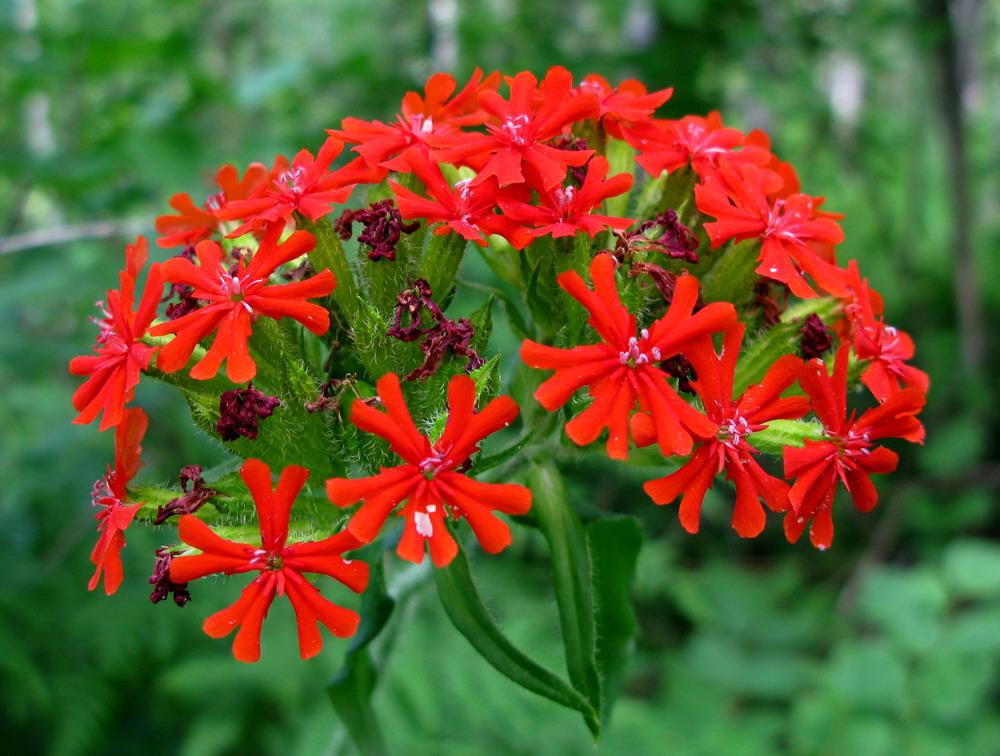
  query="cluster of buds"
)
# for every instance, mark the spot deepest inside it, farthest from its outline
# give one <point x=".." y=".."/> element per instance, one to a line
<point x="678" y="291"/>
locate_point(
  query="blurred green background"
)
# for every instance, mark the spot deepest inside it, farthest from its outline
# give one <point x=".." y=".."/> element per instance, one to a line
<point x="888" y="643"/>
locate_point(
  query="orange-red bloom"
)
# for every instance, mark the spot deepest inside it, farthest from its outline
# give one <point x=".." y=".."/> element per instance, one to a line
<point x="434" y="115"/>
<point x="119" y="355"/>
<point x="849" y="454"/>
<point x="517" y="128"/>
<point x="430" y="481"/>
<point x="629" y="103"/>
<point x="109" y="492"/>
<point x="735" y="420"/>
<point x="464" y="208"/>
<point x="280" y="566"/>
<point x="307" y="187"/>
<point x="565" y="210"/>
<point x="194" y="224"/>
<point x="887" y="348"/>
<point x="238" y="295"/>
<point x="620" y="371"/>
<point x="794" y="231"/>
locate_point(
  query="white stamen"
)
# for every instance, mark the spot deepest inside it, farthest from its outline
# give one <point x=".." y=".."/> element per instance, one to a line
<point x="431" y="508"/>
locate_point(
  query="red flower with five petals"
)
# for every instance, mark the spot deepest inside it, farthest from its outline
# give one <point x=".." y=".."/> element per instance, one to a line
<point x="194" y="224"/>
<point x="887" y="348"/>
<point x="239" y="295"/>
<point x="464" y="208"/>
<point x="792" y="229"/>
<point x="109" y="492"/>
<point x="433" y="115"/>
<point x="120" y="356"/>
<point x="621" y="372"/>
<point x="430" y="481"/>
<point x="280" y="565"/>
<point x="849" y="454"/>
<point x="307" y="187"/>
<point x="671" y="144"/>
<point x="629" y="103"/>
<point x="519" y="126"/>
<point x="566" y="210"/>
<point x="728" y="448"/>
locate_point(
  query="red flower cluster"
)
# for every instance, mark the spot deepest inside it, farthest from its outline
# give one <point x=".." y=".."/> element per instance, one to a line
<point x="525" y="162"/>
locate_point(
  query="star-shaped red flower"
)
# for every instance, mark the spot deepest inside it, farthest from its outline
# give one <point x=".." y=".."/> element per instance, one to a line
<point x="430" y="481"/>
<point x="281" y="566"/>
<point x="795" y="233"/>
<point x="849" y="454"/>
<point x="109" y="492"/>
<point x="238" y="295"/>
<point x="119" y="354"/>
<point x="621" y="371"/>
<point x="727" y="448"/>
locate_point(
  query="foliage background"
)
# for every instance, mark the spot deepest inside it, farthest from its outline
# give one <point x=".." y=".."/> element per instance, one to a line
<point x="887" y="643"/>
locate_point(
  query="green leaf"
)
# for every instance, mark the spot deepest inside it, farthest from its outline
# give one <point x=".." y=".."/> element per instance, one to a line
<point x="485" y="463"/>
<point x="781" y="433"/>
<point x="329" y="254"/>
<point x="351" y="688"/>
<point x="971" y="568"/>
<point x="621" y="159"/>
<point x="487" y="379"/>
<point x="440" y="264"/>
<point x="614" y="545"/>
<point x="571" y="570"/>
<point x="465" y="608"/>
<point x="482" y="322"/>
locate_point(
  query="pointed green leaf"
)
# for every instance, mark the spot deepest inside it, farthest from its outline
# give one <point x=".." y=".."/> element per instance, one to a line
<point x="614" y="545"/>
<point x="440" y="264"/>
<point x="571" y="571"/>
<point x="351" y="689"/>
<point x="485" y="463"/>
<point x="465" y="608"/>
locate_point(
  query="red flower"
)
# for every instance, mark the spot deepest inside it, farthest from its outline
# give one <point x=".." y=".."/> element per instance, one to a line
<point x="237" y="296"/>
<point x="194" y="224"/>
<point x="727" y="448"/>
<point x="109" y="492"/>
<point x="849" y="454"/>
<point x="886" y="347"/>
<point x="517" y="128"/>
<point x="620" y="371"/>
<point x="280" y="566"/>
<point x="672" y="144"/>
<point x="461" y="110"/>
<point x="627" y="103"/>
<point x="307" y="187"/>
<point x="430" y="481"/>
<point x="792" y="229"/>
<point x="466" y="208"/>
<point x="119" y="355"/>
<point x="566" y="210"/>
<point x="389" y="144"/>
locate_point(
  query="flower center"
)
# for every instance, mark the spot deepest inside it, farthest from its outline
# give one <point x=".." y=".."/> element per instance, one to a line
<point x="514" y="129"/>
<point x="564" y="197"/>
<point x="634" y="356"/>
<point x="437" y="462"/>
<point x="291" y="177"/>
<point x="267" y="560"/>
